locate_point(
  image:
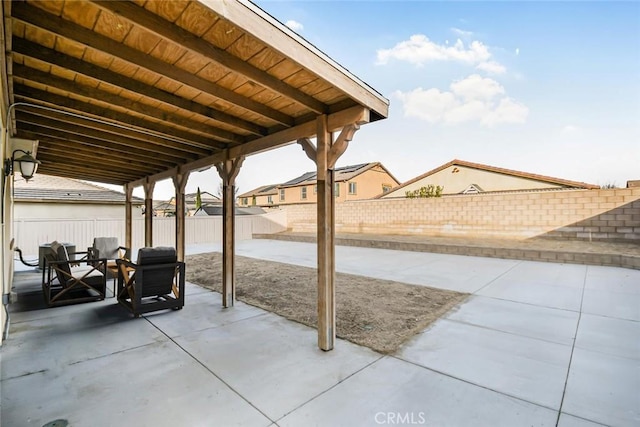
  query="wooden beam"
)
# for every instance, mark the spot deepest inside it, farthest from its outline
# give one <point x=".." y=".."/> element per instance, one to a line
<point x="128" y="217"/>
<point x="37" y="17"/>
<point x="169" y="31"/>
<point x="338" y="120"/>
<point x="285" y="137"/>
<point x="52" y="57"/>
<point x="169" y="155"/>
<point x="88" y="158"/>
<point x="67" y="165"/>
<point x="179" y="183"/>
<point x="81" y="157"/>
<point x="130" y="135"/>
<point x="215" y="138"/>
<point x="148" y="212"/>
<point x="341" y="143"/>
<point x="71" y="141"/>
<point x="228" y="170"/>
<point x="309" y="149"/>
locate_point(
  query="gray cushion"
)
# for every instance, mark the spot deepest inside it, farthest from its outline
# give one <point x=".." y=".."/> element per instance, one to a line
<point x="59" y="253"/>
<point x="159" y="255"/>
<point x="106" y="247"/>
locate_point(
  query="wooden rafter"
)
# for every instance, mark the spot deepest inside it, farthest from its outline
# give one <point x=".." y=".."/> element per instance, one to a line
<point x="52" y="57"/>
<point x="166" y="153"/>
<point x="213" y="138"/>
<point x="154" y="24"/>
<point x="61" y="27"/>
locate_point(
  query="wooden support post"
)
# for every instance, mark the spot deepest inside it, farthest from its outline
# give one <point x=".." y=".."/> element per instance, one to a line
<point x="128" y="216"/>
<point x="228" y="171"/>
<point x="179" y="183"/>
<point x="148" y="212"/>
<point x="326" y="289"/>
<point x="325" y="155"/>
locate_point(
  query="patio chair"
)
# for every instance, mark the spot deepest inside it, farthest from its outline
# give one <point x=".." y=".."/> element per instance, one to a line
<point x="67" y="279"/>
<point x="109" y="248"/>
<point x="155" y="282"/>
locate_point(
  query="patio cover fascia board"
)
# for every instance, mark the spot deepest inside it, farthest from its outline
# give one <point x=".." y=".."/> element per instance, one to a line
<point x="288" y="43"/>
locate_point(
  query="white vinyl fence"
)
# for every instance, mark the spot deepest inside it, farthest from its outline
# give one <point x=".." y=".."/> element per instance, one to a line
<point x="29" y="234"/>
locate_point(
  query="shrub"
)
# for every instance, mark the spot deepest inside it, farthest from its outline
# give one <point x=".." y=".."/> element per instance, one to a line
<point x="425" y="192"/>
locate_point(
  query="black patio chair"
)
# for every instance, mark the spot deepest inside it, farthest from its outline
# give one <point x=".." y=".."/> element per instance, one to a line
<point x="155" y="282"/>
<point x="70" y="278"/>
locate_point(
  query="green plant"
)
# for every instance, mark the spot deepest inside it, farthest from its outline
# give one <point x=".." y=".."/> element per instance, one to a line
<point x="425" y="192"/>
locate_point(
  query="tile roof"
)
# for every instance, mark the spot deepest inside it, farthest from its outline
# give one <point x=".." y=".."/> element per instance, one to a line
<point x="456" y="162"/>
<point x="264" y="190"/>
<point x="43" y="188"/>
<point x="344" y="173"/>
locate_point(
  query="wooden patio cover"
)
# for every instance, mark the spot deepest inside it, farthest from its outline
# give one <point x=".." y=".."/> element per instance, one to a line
<point x="133" y="92"/>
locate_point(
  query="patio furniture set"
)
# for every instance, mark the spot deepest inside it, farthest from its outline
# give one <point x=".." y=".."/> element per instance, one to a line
<point x="155" y="282"/>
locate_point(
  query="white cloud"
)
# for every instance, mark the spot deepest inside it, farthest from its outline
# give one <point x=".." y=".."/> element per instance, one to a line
<point x="419" y="50"/>
<point x="570" y="129"/>
<point x="461" y="33"/>
<point x="294" y="25"/>
<point x="472" y="99"/>
<point x="491" y="67"/>
<point x="476" y="87"/>
<point x="507" y="111"/>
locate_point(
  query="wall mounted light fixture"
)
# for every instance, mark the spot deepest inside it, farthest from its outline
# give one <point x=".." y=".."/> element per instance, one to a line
<point x="27" y="164"/>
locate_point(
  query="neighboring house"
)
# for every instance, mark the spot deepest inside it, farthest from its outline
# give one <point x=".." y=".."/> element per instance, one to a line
<point x="267" y="195"/>
<point x="51" y="197"/>
<point x="357" y="182"/>
<point x="461" y="177"/>
<point x="634" y="183"/>
<point x="169" y="208"/>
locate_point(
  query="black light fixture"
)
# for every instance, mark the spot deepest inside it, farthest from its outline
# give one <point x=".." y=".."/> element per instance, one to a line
<point x="27" y="164"/>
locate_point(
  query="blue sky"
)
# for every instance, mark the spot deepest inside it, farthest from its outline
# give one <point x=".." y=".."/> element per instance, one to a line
<point x="551" y="88"/>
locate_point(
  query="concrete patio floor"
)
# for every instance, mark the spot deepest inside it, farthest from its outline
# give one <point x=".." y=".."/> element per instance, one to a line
<point x="537" y="343"/>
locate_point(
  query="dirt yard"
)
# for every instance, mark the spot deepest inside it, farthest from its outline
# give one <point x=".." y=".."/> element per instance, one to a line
<point x="379" y="314"/>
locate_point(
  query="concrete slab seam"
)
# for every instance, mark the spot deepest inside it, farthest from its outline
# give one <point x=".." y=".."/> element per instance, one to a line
<point x="461" y="322"/>
<point x="473" y="384"/>
<point x="333" y="386"/>
<point x="529" y="303"/>
<point x="573" y="347"/>
<point x="497" y="277"/>
<point x="211" y="372"/>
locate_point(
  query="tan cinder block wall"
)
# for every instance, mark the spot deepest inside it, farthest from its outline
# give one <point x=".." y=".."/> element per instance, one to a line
<point x="612" y="215"/>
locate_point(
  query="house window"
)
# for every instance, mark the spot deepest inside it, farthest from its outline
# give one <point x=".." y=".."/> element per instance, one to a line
<point x="337" y="189"/>
<point x="282" y="195"/>
<point x="270" y="200"/>
<point x="244" y="201"/>
<point x="303" y="193"/>
<point x="386" y="188"/>
<point x="352" y="188"/>
<point x="315" y="189"/>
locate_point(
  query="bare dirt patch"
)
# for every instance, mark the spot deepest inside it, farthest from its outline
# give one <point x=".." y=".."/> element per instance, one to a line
<point x="379" y="314"/>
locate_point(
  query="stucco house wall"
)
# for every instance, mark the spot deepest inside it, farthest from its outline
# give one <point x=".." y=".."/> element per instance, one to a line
<point x="456" y="179"/>
<point x="366" y="180"/>
<point x="458" y="175"/>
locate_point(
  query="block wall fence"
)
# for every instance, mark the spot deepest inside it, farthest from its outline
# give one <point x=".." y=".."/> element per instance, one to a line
<point x="603" y="215"/>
